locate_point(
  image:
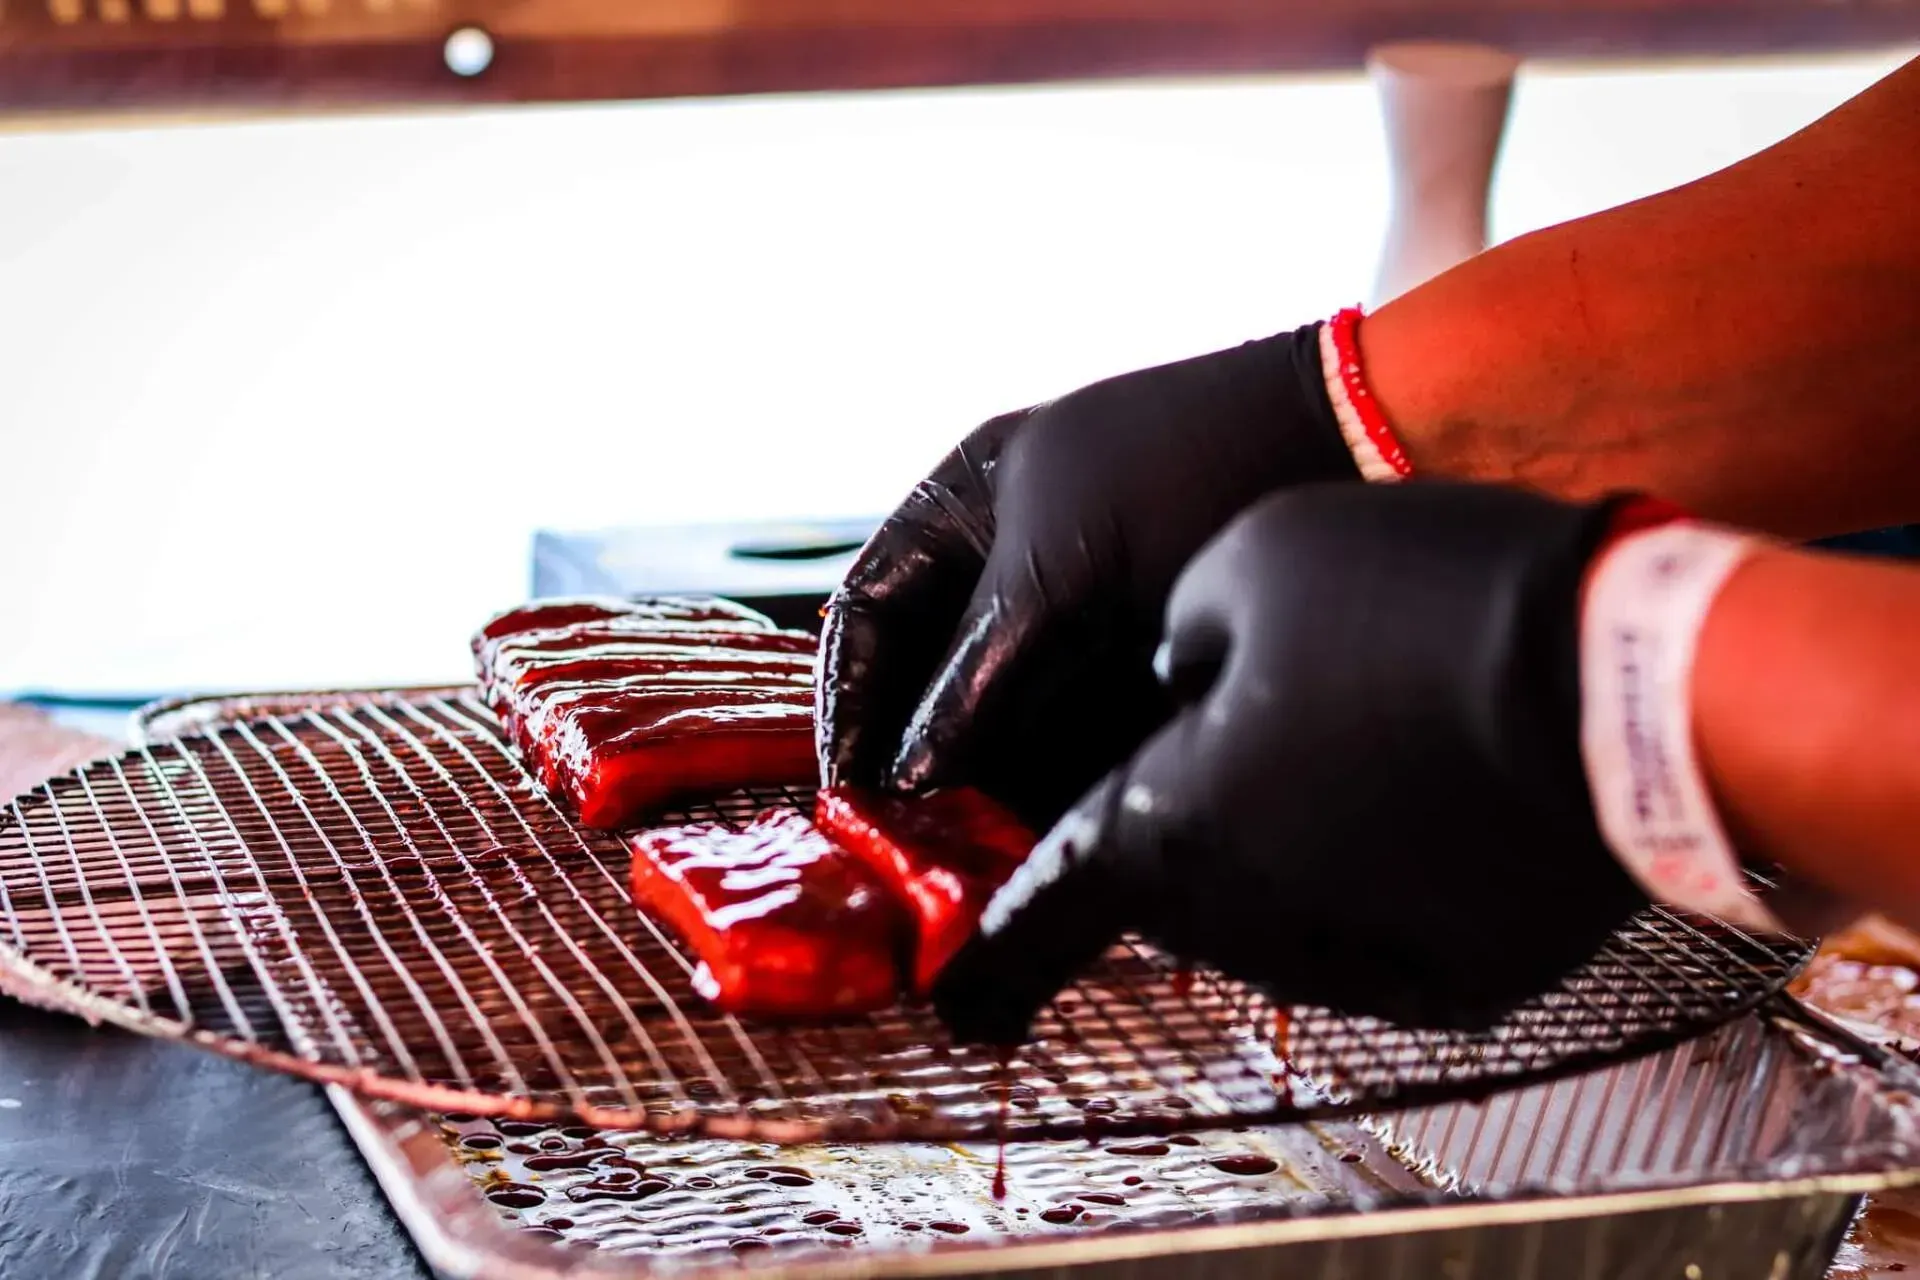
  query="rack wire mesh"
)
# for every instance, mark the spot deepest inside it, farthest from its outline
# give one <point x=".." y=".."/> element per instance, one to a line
<point x="371" y="891"/>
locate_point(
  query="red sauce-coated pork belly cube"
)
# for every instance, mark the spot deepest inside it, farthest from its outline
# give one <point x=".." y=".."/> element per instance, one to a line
<point x="785" y="924"/>
<point x="667" y="612"/>
<point x="529" y="711"/>
<point x="620" y="757"/>
<point x="593" y="653"/>
<point x="942" y="854"/>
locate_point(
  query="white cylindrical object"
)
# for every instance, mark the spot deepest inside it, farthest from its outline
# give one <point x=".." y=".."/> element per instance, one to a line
<point x="1444" y="106"/>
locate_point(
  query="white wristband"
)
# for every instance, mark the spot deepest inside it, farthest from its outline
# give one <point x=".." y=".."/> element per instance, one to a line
<point x="1645" y="602"/>
<point x="1374" y="468"/>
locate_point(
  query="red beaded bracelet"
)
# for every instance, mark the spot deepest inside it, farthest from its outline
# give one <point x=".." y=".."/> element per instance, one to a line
<point x="1353" y="404"/>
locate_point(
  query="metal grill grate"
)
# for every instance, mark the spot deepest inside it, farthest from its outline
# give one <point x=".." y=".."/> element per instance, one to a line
<point x="373" y="892"/>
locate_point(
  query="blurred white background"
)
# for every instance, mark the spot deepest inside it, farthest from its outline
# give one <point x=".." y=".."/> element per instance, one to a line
<point x="284" y="401"/>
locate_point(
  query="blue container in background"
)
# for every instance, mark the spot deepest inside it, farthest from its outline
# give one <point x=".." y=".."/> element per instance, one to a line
<point x="786" y="569"/>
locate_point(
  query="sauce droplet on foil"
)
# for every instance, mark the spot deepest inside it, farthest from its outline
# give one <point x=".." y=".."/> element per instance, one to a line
<point x="1244" y="1166"/>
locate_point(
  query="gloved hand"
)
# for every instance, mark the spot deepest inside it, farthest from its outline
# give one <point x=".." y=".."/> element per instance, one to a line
<point x="1373" y="798"/>
<point x="999" y="626"/>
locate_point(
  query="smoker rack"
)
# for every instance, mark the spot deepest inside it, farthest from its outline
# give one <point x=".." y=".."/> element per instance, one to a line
<point x="1740" y="1153"/>
<point x="372" y="891"/>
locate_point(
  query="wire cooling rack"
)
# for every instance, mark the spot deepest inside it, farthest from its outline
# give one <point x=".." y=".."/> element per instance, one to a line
<point x="371" y="891"/>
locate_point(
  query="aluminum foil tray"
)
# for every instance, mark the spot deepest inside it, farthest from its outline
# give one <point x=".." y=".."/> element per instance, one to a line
<point x="1743" y="1154"/>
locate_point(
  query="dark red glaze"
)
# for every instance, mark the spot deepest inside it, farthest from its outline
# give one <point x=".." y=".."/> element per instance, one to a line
<point x="662" y="611"/>
<point x="621" y="706"/>
<point x="695" y="668"/>
<point x="784" y="923"/>
<point x="514" y="656"/>
<point x="531" y="715"/>
<point x="618" y="762"/>
<point x="518" y="669"/>
<point x="943" y="854"/>
<point x="1244" y="1166"/>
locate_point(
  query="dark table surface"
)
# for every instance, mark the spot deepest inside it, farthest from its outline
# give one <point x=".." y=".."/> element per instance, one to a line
<point x="123" y="1157"/>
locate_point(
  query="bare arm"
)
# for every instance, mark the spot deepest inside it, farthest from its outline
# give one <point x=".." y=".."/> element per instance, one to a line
<point x="1748" y="344"/>
<point x="1807" y="720"/>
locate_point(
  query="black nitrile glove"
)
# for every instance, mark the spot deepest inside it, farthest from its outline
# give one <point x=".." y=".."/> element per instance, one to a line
<point x="1373" y="799"/>
<point x="999" y="626"/>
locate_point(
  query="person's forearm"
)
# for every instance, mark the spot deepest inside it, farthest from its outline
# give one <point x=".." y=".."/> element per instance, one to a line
<point x="1747" y="345"/>
<point x="1807" y="721"/>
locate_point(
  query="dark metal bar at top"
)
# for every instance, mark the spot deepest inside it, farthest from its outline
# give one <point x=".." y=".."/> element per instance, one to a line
<point x="65" y="56"/>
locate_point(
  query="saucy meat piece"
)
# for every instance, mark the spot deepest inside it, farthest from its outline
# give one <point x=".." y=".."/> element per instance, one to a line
<point x="581" y="656"/>
<point x="664" y="611"/>
<point x="530" y="690"/>
<point x="785" y="924"/>
<point x="619" y="757"/>
<point x="623" y="705"/>
<point x="529" y="712"/>
<point x="943" y="854"/>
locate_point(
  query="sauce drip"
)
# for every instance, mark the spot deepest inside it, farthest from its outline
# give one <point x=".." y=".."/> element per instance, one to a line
<point x="1005" y="1077"/>
<point x="1244" y="1166"/>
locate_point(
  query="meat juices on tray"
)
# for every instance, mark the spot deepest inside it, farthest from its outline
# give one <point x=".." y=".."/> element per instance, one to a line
<point x="942" y="855"/>
<point x="784" y="922"/>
